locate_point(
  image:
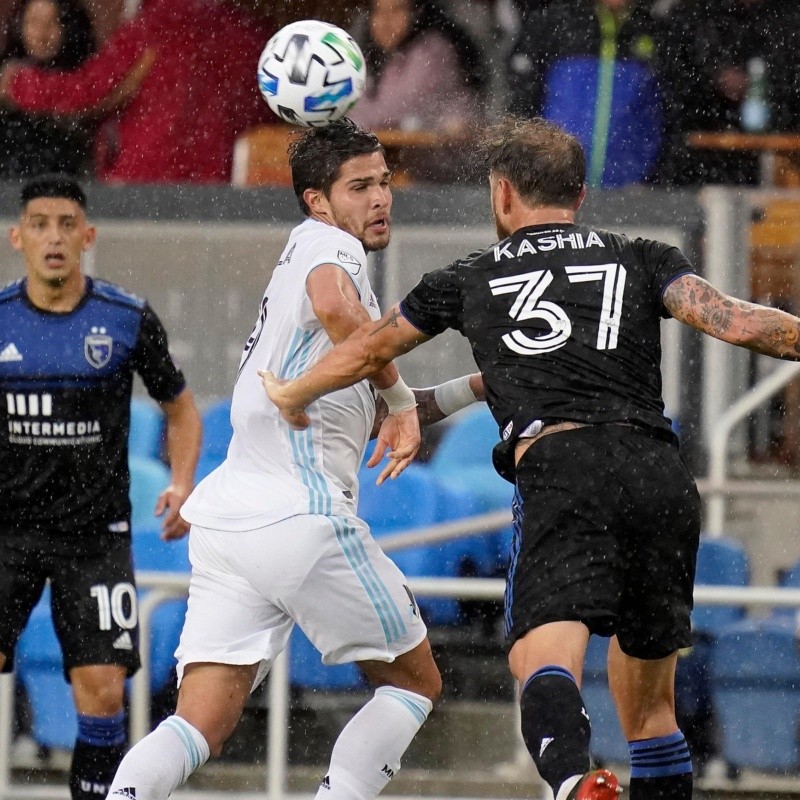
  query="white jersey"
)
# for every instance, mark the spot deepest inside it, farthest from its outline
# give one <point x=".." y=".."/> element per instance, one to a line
<point x="272" y="471"/>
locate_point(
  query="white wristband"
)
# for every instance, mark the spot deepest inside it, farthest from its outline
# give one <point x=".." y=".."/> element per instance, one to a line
<point x="398" y="397"/>
<point x="454" y="395"/>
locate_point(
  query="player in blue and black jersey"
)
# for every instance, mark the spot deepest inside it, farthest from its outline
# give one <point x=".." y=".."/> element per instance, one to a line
<point x="69" y="346"/>
<point x="564" y="324"/>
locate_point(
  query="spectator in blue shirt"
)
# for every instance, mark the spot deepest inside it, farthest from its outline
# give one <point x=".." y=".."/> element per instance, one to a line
<point x="590" y="67"/>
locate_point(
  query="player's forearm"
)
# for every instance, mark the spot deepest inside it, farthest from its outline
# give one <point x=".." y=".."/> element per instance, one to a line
<point x="768" y="331"/>
<point x="439" y="402"/>
<point x="347" y="364"/>
<point x="764" y="330"/>
<point x="184" y="435"/>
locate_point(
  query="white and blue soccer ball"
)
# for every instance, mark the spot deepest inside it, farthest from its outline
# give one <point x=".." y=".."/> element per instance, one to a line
<point x="311" y="73"/>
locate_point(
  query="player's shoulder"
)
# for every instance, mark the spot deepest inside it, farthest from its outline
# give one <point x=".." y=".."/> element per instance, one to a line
<point x="12" y="291"/>
<point x="112" y="293"/>
<point x="329" y="244"/>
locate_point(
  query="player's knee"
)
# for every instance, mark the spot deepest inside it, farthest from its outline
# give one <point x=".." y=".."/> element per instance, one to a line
<point x="431" y="685"/>
<point x="646" y="716"/>
<point x="98" y="697"/>
<point x="216" y="743"/>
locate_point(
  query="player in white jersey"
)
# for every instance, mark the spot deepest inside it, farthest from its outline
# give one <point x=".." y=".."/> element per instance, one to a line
<point x="275" y="539"/>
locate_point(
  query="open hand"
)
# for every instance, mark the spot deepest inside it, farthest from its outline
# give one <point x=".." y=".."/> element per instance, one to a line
<point x="399" y="434"/>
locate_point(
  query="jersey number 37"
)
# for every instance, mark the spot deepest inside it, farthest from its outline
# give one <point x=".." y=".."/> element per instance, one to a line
<point x="528" y="304"/>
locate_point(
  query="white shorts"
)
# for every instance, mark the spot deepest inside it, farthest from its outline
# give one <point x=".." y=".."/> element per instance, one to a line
<point x="327" y="574"/>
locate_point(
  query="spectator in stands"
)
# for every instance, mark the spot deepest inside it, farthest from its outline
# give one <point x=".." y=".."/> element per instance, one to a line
<point x="424" y="73"/>
<point x="591" y="68"/>
<point x="51" y="35"/>
<point x="423" y="70"/>
<point x="198" y="96"/>
<point x="708" y="45"/>
<point x="69" y="347"/>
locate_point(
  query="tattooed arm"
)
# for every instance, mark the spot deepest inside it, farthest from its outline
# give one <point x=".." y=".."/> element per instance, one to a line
<point x="765" y="330"/>
<point x="367" y="350"/>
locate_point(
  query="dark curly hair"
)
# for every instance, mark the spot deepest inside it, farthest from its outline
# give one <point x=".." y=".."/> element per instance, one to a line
<point x="316" y="155"/>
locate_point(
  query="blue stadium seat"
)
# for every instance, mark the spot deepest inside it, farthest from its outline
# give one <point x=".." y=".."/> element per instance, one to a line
<point x="40" y="668"/>
<point x="468" y="440"/>
<point x="217" y="433"/>
<point x="146" y="435"/>
<point x="148" y="479"/>
<point x="756" y="689"/>
<point x="608" y="745"/>
<point x="789" y="579"/>
<point x="306" y="670"/>
<point x="462" y="462"/>
<point x="720" y="562"/>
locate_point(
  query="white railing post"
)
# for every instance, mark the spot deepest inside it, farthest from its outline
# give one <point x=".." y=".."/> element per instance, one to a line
<point x="6" y="728"/>
<point x="725" y="259"/>
<point x="278" y="727"/>
<point x="720" y="436"/>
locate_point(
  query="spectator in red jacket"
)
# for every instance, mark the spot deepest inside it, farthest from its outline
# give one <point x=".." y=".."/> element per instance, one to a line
<point x="181" y="122"/>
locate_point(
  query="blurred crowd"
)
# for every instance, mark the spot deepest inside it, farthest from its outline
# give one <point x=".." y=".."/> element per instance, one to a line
<point x="161" y="96"/>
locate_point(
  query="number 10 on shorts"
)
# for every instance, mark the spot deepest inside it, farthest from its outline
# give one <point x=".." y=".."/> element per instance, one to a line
<point x="112" y="605"/>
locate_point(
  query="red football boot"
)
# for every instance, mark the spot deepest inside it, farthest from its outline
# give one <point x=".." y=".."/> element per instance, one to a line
<point x="599" y="784"/>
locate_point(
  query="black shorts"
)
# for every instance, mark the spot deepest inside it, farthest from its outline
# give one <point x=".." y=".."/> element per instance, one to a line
<point x="607" y="525"/>
<point x="93" y="594"/>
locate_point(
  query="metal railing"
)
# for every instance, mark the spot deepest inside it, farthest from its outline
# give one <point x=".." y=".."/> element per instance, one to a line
<point x="720" y="442"/>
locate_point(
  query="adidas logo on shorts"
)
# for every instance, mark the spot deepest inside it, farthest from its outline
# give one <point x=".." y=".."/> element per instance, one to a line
<point x="129" y="793"/>
<point x="123" y="642"/>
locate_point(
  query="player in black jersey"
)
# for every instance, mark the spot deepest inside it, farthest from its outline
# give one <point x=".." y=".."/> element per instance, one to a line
<point x="69" y="346"/>
<point x="564" y="324"/>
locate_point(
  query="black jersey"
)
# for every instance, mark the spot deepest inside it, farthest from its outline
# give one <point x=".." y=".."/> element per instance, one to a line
<point x="564" y="323"/>
<point x="65" y="385"/>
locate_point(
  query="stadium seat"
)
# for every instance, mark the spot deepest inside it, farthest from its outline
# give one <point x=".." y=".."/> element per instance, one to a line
<point x="40" y="668"/>
<point x="306" y="670"/>
<point x="462" y="462"/>
<point x="756" y="688"/>
<point x="468" y="440"/>
<point x="217" y="433"/>
<point x="148" y="479"/>
<point x="720" y="562"/>
<point x="146" y="435"/>
<point x="260" y="157"/>
<point x="789" y="579"/>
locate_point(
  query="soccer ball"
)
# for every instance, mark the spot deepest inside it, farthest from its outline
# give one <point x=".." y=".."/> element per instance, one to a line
<point x="311" y="73"/>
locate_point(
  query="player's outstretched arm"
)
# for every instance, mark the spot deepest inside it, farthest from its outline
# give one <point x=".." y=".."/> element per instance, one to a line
<point x="366" y="351"/>
<point x="764" y="330"/>
<point x="184" y="433"/>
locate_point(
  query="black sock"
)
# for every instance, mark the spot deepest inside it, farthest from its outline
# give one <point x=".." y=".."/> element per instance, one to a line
<point x="661" y="768"/>
<point x="99" y="748"/>
<point x="555" y="725"/>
